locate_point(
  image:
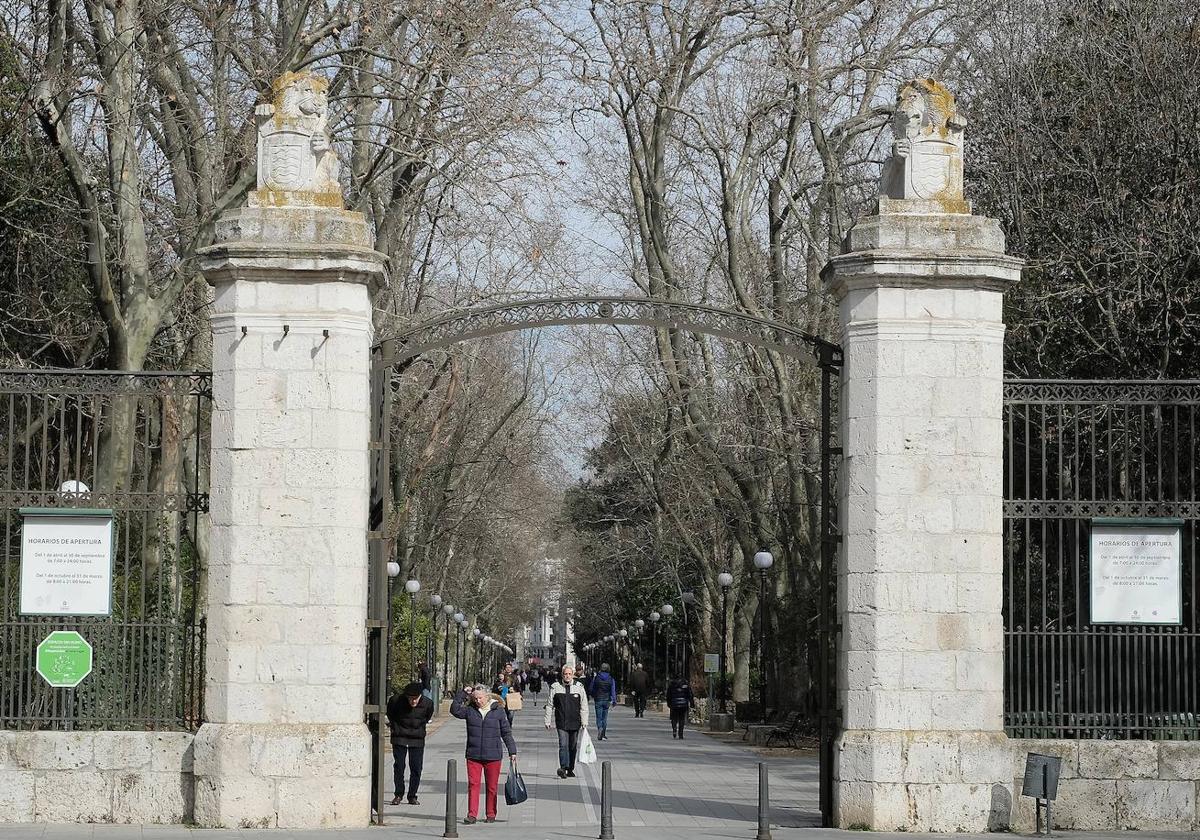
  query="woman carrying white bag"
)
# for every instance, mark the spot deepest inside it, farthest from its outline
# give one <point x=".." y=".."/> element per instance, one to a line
<point x="567" y="711"/>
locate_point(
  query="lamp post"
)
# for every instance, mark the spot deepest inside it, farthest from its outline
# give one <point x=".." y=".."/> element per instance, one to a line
<point x="412" y="587"/>
<point x="726" y="581"/>
<point x="460" y="623"/>
<point x="435" y="601"/>
<point x="478" y="650"/>
<point x="654" y="617"/>
<point x="448" y="611"/>
<point x="667" y="611"/>
<point x="762" y="562"/>
<point x="624" y="658"/>
<point x="393" y="571"/>
<point x="689" y="604"/>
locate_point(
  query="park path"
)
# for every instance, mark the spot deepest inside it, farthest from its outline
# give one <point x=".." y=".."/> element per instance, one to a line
<point x="697" y="784"/>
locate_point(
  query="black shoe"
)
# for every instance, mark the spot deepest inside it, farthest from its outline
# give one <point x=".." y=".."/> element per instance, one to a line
<point x="562" y="774"/>
<point x="570" y="774"/>
<point x="490" y="819"/>
<point x="395" y="800"/>
<point x="469" y="821"/>
<point x="412" y="800"/>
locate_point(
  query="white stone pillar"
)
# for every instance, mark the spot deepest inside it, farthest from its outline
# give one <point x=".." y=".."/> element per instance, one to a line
<point x="284" y="743"/>
<point x="920" y="287"/>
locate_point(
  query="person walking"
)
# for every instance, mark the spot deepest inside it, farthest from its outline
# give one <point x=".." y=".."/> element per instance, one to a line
<point x="604" y="692"/>
<point x="639" y="684"/>
<point x="488" y="734"/>
<point x="567" y="711"/>
<point x="408" y="715"/>
<point x="679" y="700"/>
<point x="535" y="681"/>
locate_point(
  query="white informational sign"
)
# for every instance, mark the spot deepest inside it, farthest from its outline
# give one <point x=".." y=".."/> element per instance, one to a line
<point x="1136" y="573"/>
<point x="712" y="663"/>
<point x="66" y="563"/>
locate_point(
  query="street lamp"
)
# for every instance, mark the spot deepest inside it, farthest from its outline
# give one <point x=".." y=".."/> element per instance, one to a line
<point x="448" y="610"/>
<point x="435" y="601"/>
<point x="478" y="652"/>
<point x="654" y="617"/>
<point x="667" y="611"/>
<point x="461" y="621"/>
<point x="412" y="587"/>
<point x="762" y="562"/>
<point x="726" y="581"/>
<point x="689" y="603"/>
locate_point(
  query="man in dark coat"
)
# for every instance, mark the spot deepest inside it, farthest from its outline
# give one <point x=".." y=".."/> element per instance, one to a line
<point x="488" y="736"/>
<point x="679" y="700"/>
<point x="639" y="684"/>
<point x="408" y="715"/>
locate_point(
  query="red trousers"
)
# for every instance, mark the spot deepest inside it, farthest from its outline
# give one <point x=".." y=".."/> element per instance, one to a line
<point x="490" y="770"/>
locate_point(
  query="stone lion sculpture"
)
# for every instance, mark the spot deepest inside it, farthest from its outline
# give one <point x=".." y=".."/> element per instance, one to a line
<point x="297" y="166"/>
<point x="926" y="164"/>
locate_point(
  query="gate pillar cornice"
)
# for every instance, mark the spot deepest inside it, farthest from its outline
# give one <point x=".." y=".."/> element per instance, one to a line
<point x="284" y="743"/>
<point x="920" y="289"/>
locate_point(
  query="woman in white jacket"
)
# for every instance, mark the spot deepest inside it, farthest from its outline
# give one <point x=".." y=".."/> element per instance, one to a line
<point x="567" y="711"/>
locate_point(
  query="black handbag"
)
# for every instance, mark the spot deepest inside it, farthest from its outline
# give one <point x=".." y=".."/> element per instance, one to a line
<point x="514" y="788"/>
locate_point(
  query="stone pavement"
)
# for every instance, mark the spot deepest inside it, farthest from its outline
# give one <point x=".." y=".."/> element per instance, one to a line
<point x="696" y="784"/>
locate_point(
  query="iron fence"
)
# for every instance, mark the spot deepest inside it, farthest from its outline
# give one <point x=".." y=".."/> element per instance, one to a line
<point x="135" y="444"/>
<point x="1073" y="452"/>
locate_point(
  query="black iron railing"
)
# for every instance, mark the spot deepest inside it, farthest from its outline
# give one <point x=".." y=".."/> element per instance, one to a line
<point x="135" y="444"/>
<point x="1075" y="451"/>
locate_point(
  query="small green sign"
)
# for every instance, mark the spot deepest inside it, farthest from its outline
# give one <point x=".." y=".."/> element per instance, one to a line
<point x="64" y="658"/>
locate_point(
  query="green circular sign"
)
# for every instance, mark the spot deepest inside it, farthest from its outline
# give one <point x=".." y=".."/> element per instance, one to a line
<point x="64" y="658"/>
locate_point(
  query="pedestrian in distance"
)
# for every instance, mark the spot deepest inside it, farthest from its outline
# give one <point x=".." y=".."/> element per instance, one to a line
<point x="567" y="711"/>
<point x="679" y="700"/>
<point x="535" y="681"/>
<point x="639" y="684"/>
<point x="488" y="736"/>
<point x="604" y="692"/>
<point x="408" y="715"/>
<point x="423" y="675"/>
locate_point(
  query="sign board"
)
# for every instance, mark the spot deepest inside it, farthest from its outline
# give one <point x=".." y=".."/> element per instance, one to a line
<point x="66" y="561"/>
<point x="64" y="658"/>
<point x="1041" y="776"/>
<point x="1136" y="571"/>
<point x="712" y="663"/>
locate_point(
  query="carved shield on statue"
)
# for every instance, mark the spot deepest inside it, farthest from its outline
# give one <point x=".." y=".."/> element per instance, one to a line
<point x="288" y="161"/>
<point x="929" y="171"/>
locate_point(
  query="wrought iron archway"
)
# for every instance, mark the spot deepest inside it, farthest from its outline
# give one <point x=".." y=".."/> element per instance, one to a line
<point x="455" y="326"/>
<point x="463" y="324"/>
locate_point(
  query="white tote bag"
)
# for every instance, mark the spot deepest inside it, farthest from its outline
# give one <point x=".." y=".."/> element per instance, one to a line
<point x="587" y="750"/>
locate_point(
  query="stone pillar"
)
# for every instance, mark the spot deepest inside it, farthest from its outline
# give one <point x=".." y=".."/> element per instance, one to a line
<point x="284" y="743"/>
<point x="920" y="287"/>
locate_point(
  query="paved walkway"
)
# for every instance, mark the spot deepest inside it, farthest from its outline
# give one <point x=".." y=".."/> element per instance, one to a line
<point x="697" y="784"/>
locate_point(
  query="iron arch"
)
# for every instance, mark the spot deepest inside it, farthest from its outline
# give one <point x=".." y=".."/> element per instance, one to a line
<point x="464" y="324"/>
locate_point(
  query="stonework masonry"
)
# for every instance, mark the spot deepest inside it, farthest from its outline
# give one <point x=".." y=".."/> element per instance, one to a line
<point x="284" y="744"/>
<point x="920" y="577"/>
<point x="1116" y="785"/>
<point x="96" y="777"/>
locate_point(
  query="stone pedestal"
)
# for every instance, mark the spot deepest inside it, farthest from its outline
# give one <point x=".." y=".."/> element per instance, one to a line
<point x="919" y="580"/>
<point x="284" y="744"/>
<point x="721" y="722"/>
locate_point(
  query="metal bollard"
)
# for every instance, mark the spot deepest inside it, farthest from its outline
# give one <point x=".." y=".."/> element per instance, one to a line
<point x="606" y="825"/>
<point x="451" y="798"/>
<point x="764" y="804"/>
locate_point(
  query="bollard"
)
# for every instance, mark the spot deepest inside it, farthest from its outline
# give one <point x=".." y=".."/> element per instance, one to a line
<point x="764" y="804"/>
<point x="451" y="799"/>
<point x="606" y="826"/>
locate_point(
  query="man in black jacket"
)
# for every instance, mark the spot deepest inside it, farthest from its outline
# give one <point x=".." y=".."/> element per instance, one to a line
<point x="408" y="714"/>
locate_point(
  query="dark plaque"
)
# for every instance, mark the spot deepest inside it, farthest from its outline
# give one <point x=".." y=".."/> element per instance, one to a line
<point x="1041" y="776"/>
